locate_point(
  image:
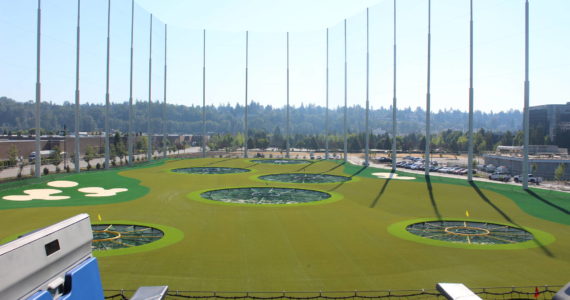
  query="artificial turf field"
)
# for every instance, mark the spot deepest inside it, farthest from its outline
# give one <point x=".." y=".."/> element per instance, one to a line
<point x="349" y="242"/>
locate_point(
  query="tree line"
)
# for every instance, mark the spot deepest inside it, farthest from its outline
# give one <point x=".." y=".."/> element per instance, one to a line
<point x="18" y="117"/>
<point x="450" y="141"/>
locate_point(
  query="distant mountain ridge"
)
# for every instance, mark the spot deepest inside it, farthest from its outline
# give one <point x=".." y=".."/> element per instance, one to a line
<point x="306" y="119"/>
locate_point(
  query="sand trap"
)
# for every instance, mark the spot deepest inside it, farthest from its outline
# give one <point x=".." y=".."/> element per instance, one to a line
<point x="62" y="183"/>
<point x="393" y="176"/>
<point x="100" y="192"/>
<point x="37" y="194"/>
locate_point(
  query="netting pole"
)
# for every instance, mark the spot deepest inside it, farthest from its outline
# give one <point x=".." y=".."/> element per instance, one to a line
<point x="287" y="154"/>
<point x="327" y="104"/>
<point x="526" y="99"/>
<point x="246" y="83"/>
<point x="164" y="138"/>
<point x="77" y="143"/>
<point x="130" y="129"/>
<point x="107" y="100"/>
<point x="38" y="93"/>
<point x="428" y="97"/>
<point x="394" y="106"/>
<point x="204" y="99"/>
<point x="345" y="97"/>
<point x="367" y="139"/>
<point x="149" y="131"/>
<point x="470" y="149"/>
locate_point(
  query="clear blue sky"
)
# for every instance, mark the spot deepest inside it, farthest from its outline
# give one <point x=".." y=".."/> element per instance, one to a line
<point x="499" y="51"/>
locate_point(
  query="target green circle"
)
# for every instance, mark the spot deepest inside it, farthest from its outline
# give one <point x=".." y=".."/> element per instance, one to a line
<point x="469" y="234"/>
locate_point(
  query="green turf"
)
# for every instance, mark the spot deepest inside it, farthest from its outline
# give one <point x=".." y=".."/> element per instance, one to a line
<point x="342" y="245"/>
<point x="105" y="179"/>
<point x="545" y="204"/>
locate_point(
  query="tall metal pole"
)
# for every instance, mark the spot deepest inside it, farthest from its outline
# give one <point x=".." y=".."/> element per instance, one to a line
<point x="246" y="82"/>
<point x="526" y="98"/>
<point x="345" y="97"/>
<point x="149" y="130"/>
<point x="164" y="138"/>
<point x="394" y="107"/>
<point x="107" y="100"/>
<point x="288" y="116"/>
<point x="470" y="133"/>
<point x="428" y="96"/>
<point x="367" y="146"/>
<point x="204" y="99"/>
<point x="130" y="133"/>
<point x="38" y="94"/>
<point x="327" y="104"/>
<point x="77" y="147"/>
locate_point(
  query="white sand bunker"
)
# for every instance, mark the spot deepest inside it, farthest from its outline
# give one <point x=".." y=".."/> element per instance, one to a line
<point x="393" y="176"/>
<point x="37" y="194"/>
<point x="62" y="183"/>
<point x="100" y="192"/>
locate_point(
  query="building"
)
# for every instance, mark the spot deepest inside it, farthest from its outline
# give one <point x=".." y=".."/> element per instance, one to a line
<point x="552" y="121"/>
<point x="543" y="160"/>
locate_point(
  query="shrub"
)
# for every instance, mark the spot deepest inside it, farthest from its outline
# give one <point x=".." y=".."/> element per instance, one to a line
<point x="57" y="169"/>
<point x="98" y="166"/>
<point x="46" y="171"/>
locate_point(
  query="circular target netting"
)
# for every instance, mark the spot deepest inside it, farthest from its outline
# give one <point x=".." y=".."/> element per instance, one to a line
<point x="281" y="161"/>
<point x="265" y="195"/>
<point x="304" y="178"/>
<point x="117" y="236"/>
<point x="210" y="170"/>
<point x="470" y="232"/>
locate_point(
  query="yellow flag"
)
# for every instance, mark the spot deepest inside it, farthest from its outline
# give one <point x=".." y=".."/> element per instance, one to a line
<point x="99" y="217"/>
<point x="466" y="213"/>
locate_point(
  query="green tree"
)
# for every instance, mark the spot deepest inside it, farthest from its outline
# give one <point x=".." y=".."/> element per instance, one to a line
<point x="56" y="158"/>
<point x="559" y="172"/>
<point x="13" y="155"/>
<point x="90" y="154"/>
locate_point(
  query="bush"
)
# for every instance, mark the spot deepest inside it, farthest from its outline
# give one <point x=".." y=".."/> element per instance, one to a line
<point x="113" y="163"/>
<point x="67" y="169"/>
<point x="88" y="167"/>
<point x="46" y="171"/>
<point x="57" y="169"/>
<point x="98" y="166"/>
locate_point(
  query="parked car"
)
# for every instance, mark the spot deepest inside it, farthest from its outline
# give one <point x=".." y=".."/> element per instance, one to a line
<point x="531" y="179"/>
<point x="500" y="177"/>
<point x="384" y="159"/>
